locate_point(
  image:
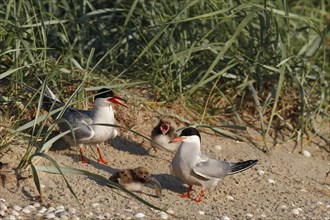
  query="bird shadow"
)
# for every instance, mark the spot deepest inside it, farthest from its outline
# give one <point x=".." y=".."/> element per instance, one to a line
<point x="118" y="143"/>
<point x="104" y="167"/>
<point x="60" y="144"/>
<point x="170" y="182"/>
<point x="123" y="144"/>
<point x="91" y="162"/>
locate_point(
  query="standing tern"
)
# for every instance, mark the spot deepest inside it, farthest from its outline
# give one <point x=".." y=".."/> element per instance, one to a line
<point x="83" y="120"/>
<point x="195" y="168"/>
<point x="162" y="134"/>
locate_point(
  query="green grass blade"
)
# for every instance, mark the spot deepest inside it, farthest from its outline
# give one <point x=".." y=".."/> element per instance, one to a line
<point x="56" y="166"/>
<point x="98" y="178"/>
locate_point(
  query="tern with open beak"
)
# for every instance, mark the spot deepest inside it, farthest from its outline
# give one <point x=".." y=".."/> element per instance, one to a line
<point x="82" y="121"/>
<point x="162" y="134"/>
<point x="195" y="168"/>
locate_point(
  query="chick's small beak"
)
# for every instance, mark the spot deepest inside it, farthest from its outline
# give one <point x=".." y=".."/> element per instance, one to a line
<point x="177" y="139"/>
<point x="117" y="100"/>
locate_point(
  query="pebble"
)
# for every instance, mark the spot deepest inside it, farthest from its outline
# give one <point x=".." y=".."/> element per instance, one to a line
<point x="283" y="207"/>
<point x="303" y="190"/>
<point x="60" y="207"/>
<point x="296" y="211"/>
<point x="30" y="207"/>
<point x="154" y="210"/>
<point x="64" y="217"/>
<point x="3" y="207"/>
<point x="260" y="172"/>
<point x="42" y="186"/>
<point x="225" y="217"/>
<point x="170" y="211"/>
<point x="17" y="208"/>
<point x="94" y="205"/>
<point x="2" y="200"/>
<point x="26" y="211"/>
<point x="230" y="197"/>
<point x="217" y="147"/>
<point x="306" y="153"/>
<point x="50" y="209"/>
<point x="271" y="181"/>
<point x="60" y="212"/>
<point x="75" y="217"/>
<point x="201" y="213"/>
<point x="328" y="206"/>
<point x="50" y="215"/>
<point x="319" y="203"/>
<point x="72" y="210"/>
<point x="163" y="215"/>
<point x="14" y="212"/>
<point x="139" y="215"/>
<point x="2" y="213"/>
<point x="42" y="210"/>
<point x="89" y="214"/>
<point x="263" y="216"/>
<point x="36" y="205"/>
<point x="249" y="215"/>
<point x="10" y="217"/>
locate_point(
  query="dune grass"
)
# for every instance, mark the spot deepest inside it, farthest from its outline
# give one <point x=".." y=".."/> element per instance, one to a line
<point x="269" y="59"/>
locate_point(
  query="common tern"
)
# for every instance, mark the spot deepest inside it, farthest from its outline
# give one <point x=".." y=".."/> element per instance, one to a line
<point x="162" y="134"/>
<point x="195" y="168"/>
<point x="82" y="121"/>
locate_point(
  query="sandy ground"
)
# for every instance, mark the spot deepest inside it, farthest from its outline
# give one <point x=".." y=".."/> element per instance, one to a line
<point x="284" y="184"/>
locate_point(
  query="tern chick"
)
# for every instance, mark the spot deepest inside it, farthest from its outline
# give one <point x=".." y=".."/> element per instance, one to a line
<point x="136" y="179"/>
<point x="162" y="134"/>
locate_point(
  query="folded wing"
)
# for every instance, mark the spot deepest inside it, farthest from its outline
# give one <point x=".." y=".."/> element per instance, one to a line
<point x="212" y="168"/>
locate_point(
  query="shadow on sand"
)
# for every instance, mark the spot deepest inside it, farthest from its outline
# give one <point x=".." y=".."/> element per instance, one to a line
<point x="122" y="144"/>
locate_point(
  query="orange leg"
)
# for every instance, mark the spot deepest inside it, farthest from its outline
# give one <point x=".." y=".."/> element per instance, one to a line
<point x="187" y="194"/>
<point x="200" y="197"/>
<point x="101" y="157"/>
<point x="83" y="160"/>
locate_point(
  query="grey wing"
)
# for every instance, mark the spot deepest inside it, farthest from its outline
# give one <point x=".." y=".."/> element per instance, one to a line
<point x="211" y="168"/>
<point x="78" y="119"/>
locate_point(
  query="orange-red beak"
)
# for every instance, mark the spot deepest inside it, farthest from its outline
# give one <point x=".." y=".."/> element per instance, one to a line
<point x="177" y="139"/>
<point x="117" y="100"/>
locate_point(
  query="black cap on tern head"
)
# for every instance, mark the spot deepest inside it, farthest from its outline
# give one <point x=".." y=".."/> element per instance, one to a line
<point x="190" y="131"/>
<point x="104" y="93"/>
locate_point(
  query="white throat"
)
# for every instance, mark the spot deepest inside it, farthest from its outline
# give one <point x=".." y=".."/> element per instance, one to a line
<point x="191" y="144"/>
<point x="103" y="114"/>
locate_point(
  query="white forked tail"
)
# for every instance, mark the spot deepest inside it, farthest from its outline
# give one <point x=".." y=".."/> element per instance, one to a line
<point x="49" y="92"/>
